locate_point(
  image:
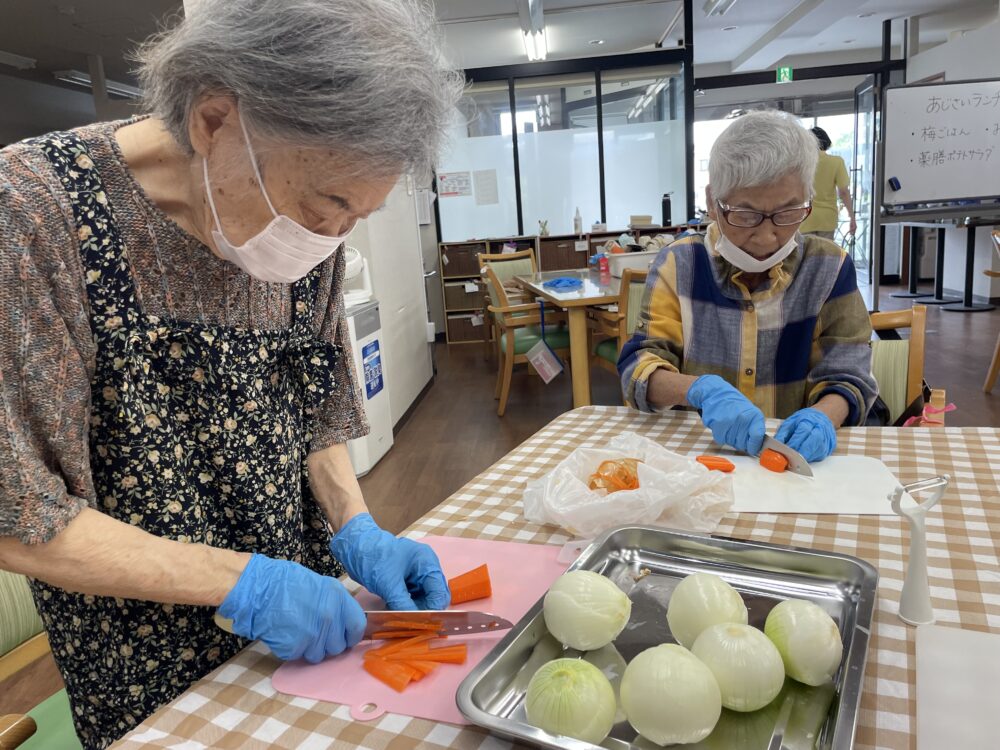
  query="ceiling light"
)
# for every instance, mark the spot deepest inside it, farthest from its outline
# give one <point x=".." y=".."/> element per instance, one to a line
<point x="730" y="28"/>
<point x="596" y="41"/>
<point x="532" y="20"/>
<point x="79" y="78"/>
<point x="16" y="61"/>
<point x="718" y="7"/>
<point x="535" y="45"/>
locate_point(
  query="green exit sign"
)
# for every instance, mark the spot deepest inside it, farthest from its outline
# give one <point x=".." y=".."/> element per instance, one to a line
<point x="784" y="74"/>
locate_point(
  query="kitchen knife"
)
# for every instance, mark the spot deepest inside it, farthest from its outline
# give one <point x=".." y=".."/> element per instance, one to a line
<point x="451" y="622"/>
<point x="796" y="463"/>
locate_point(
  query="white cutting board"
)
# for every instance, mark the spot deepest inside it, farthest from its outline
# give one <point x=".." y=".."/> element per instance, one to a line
<point x="849" y="485"/>
<point x="957" y="696"/>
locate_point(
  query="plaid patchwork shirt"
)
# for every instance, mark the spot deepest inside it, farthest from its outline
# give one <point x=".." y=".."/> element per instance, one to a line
<point x="802" y="335"/>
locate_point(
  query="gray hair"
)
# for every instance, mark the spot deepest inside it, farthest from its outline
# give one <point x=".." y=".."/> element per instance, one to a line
<point x="364" y="76"/>
<point x="760" y="148"/>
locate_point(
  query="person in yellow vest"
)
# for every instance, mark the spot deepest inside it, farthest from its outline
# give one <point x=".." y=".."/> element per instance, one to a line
<point x="830" y="182"/>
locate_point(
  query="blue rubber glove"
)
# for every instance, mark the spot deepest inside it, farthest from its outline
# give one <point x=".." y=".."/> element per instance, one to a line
<point x="730" y="415"/>
<point x="295" y="611"/>
<point x="406" y="574"/>
<point x="810" y="432"/>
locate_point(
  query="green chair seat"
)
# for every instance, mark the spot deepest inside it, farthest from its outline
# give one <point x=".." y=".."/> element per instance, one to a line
<point x="55" y="725"/>
<point x="527" y="337"/>
<point x="607" y="349"/>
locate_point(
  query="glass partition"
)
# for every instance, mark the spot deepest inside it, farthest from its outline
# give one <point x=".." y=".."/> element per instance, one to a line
<point x="644" y="144"/>
<point x="475" y="176"/>
<point x="557" y="149"/>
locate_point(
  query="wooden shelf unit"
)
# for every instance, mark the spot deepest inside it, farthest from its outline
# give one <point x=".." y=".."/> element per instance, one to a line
<point x="458" y="267"/>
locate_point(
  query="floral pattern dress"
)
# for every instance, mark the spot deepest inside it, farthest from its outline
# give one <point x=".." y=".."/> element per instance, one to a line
<point x="198" y="434"/>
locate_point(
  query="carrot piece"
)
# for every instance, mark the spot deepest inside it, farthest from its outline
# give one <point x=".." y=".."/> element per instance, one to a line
<point x="389" y="635"/>
<point x="410" y="653"/>
<point x="401" y="644"/>
<point x="773" y="460"/>
<point x="423" y="666"/>
<point x="434" y="625"/>
<point x="716" y="463"/>
<point x="397" y="676"/>
<point x="453" y="655"/>
<point x="470" y="586"/>
<point x="448" y="654"/>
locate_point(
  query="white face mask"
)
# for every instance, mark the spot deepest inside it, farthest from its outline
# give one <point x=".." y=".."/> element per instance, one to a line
<point x="745" y="261"/>
<point x="284" y="251"/>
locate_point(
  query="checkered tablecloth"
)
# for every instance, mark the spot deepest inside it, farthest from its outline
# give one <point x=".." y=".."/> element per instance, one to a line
<point x="236" y="707"/>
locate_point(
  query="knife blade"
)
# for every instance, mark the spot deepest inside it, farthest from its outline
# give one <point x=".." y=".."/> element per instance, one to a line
<point x="796" y="463"/>
<point x="450" y="622"/>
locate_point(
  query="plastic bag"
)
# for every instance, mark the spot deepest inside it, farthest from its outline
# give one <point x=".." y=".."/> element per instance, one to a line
<point x="674" y="491"/>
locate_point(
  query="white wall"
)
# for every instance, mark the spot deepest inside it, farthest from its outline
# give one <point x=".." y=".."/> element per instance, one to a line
<point x="29" y="108"/>
<point x="976" y="54"/>
<point x="983" y="287"/>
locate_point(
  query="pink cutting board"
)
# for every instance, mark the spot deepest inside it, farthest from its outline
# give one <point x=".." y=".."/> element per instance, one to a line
<point x="521" y="574"/>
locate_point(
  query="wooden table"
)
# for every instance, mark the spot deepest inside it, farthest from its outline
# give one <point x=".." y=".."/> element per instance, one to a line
<point x="236" y="707"/>
<point x="598" y="289"/>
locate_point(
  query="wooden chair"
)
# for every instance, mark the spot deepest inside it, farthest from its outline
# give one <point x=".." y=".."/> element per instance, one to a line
<point x="616" y="326"/>
<point x="49" y="725"/>
<point x="991" y="375"/>
<point x="898" y="365"/>
<point x="519" y="330"/>
<point x="506" y="266"/>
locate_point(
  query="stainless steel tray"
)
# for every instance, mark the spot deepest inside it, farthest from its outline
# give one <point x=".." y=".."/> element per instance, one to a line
<point x="492" y="696"/>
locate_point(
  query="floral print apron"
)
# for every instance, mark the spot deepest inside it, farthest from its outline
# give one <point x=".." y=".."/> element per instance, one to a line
<point x="198" y="434"/>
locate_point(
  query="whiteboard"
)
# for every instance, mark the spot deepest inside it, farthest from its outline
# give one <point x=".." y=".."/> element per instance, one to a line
<point x="942" y="142"/>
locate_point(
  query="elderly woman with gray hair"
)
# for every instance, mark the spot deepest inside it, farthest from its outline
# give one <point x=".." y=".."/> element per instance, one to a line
<point x="174" y="370"/>
<point x="753" y="319"/>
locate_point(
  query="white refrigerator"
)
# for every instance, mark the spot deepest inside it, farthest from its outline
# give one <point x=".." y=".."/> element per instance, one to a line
<point x="369" y="368"/>
<point x="390" y="241"/>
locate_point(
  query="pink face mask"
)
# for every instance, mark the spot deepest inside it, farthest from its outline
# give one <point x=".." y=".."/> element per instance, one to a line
<point x="284" y="251"/>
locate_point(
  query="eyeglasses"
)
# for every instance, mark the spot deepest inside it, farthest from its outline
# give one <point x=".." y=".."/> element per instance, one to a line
<point x="747" y="218"/>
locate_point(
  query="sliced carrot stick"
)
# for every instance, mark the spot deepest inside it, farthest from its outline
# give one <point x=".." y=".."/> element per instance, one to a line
<point x="448" y="655"/>
<point x="408" y="654"/>
<point x="773" y="460"/>
<point x="470" y="586"/>
<point x="401" y="644"/>
<point x="423" y="666"/>
<point x="397" y="676"/>
<point x="716" y="463"/>
<point x="434" y="625"/>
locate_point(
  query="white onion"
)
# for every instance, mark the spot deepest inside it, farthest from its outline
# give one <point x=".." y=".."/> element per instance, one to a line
<point x="745" y="663"/>
<point x="573" y="698"/>
<point x="669" y="696"/>
<point x="585" y="610"/>
<point x="807" y="639"/>
<point x="700" y="601"/>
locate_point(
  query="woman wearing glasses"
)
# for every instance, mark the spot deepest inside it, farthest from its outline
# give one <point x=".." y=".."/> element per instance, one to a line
<point x="753" y="319"/>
